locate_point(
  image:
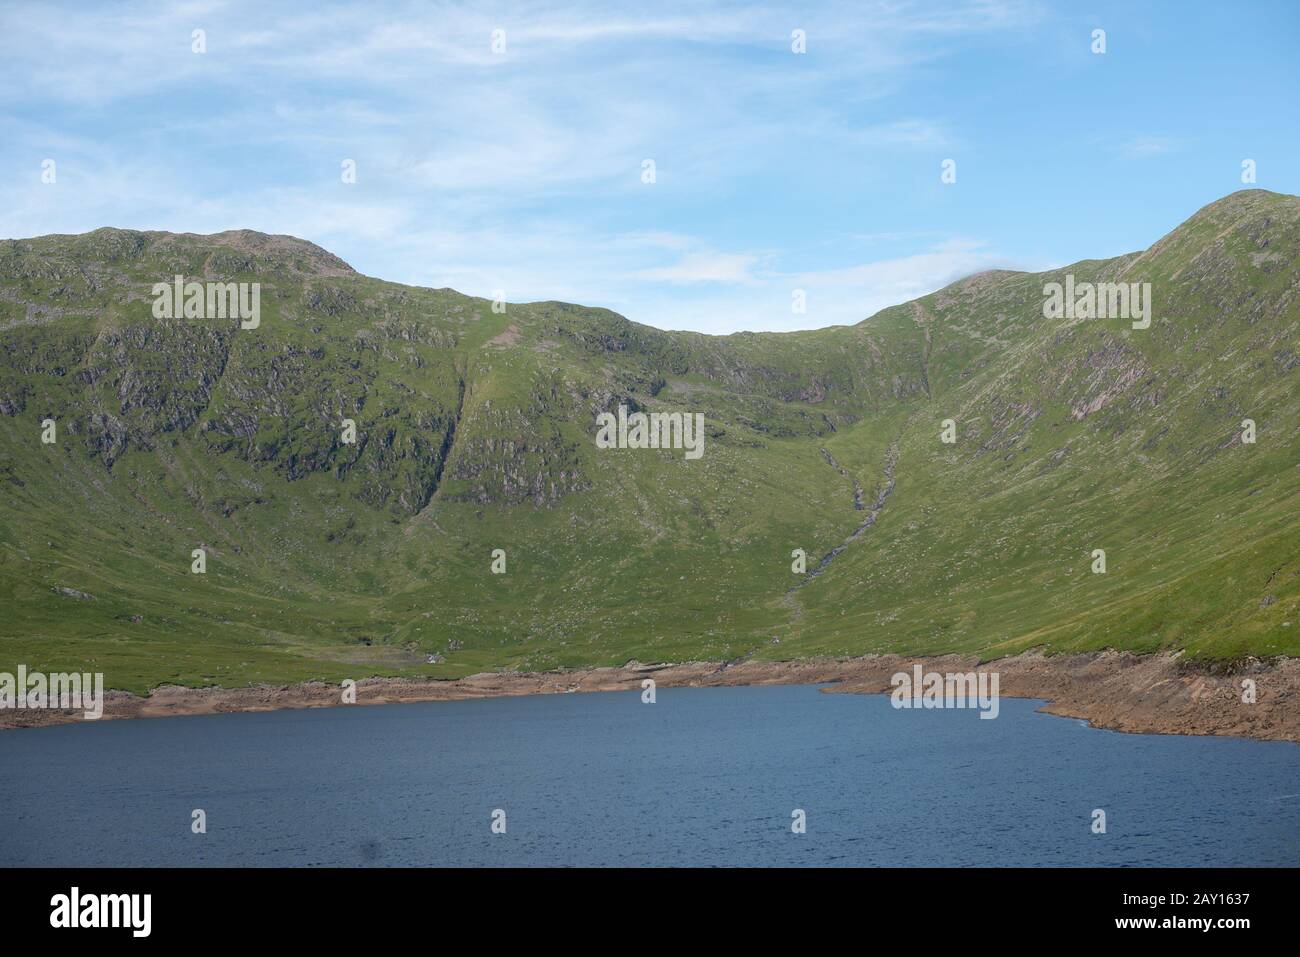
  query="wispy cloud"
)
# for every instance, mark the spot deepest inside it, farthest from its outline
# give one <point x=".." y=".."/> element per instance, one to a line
<point x="484" y="170"/>
<point x="703" y="266"/>
<point x="1147" y="146"/>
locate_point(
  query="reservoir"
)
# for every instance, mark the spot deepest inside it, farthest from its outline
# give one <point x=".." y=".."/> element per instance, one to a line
<point x="704" y="776"/>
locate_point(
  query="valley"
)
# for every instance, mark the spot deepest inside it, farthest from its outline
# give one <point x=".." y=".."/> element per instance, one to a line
<point x="476" y="430"/>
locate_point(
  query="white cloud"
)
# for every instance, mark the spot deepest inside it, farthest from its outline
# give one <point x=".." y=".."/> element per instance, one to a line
<point x="1147" y="146"/>
<point x="703" y="267"/>
<point x="481" y="171"/>
<point x="833" y="297"/>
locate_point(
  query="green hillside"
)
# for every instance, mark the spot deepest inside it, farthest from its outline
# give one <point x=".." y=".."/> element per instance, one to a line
<point x="475" y="432"/>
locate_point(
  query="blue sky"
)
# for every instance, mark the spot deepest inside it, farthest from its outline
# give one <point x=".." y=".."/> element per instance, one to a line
<point x="774" y="171"/>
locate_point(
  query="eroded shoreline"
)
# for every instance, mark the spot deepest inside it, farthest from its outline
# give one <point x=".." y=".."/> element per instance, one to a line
<point x="1155" y="694"/>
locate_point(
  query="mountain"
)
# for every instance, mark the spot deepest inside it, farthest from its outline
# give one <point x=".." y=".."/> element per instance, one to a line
<point x="476" y="430"/>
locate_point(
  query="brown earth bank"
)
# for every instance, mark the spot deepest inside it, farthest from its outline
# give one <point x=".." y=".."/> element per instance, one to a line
<point x="1161" y="693"/>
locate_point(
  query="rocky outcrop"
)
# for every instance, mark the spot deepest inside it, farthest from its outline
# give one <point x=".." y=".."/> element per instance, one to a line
<point x="1162" y="694"/>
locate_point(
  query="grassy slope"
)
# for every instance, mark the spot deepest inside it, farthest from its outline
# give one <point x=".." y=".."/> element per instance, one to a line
<point x="332" y="561"/>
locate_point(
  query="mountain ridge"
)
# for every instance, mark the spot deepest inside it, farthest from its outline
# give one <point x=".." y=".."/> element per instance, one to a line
<point x="252" y="240"/>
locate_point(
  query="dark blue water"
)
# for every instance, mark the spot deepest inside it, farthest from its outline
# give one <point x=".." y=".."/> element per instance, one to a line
<point x="704" y="776"/>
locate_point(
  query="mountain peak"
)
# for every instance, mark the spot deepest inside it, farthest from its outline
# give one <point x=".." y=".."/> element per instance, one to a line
<point x="257" y="251"/>
<point x="1246" y="223"/>
<point x="307" y="255"/>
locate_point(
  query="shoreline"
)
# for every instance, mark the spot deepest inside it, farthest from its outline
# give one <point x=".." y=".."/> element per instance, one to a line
<point x="1119" y="691"/>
